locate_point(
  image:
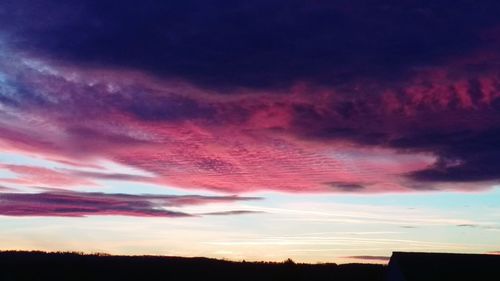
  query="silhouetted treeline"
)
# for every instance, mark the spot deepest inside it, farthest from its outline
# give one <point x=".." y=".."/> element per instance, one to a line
<point x="19" y="266"/>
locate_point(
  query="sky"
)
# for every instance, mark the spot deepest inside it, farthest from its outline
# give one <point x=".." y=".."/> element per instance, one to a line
<point x="322" y="131"/>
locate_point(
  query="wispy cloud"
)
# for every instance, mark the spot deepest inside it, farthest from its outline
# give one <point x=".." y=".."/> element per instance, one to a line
<point x="235" y="212"/>
<point x="33" y="175"/>
<point x="6" y="189"/>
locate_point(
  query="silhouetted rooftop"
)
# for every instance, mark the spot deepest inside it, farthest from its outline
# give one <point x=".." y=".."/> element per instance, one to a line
<point x="443" y="267"/>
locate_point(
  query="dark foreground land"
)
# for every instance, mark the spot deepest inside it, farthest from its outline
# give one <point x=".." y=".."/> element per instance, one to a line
<point x="72" y="266"/>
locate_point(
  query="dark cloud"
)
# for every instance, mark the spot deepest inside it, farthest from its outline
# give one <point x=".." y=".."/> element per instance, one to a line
<point x="236" y="212"/>
<point x="465" y="156"/>
<point x="467" y="225"/>
<point x="370" y="258"/>
<point x="346" y="186"/>
<point x="252" y="43"/>
<point x="455" y="119"/>
<point x="80" y="204"/>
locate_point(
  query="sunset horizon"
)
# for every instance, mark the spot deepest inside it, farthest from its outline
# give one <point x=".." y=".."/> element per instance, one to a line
<point x="316" y="131"/>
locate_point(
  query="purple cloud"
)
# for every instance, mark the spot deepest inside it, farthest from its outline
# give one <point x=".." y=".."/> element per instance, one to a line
<point x="80" y="204"/>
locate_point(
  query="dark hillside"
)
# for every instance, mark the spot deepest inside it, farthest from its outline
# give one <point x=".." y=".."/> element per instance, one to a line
<point x="21" y="266"/>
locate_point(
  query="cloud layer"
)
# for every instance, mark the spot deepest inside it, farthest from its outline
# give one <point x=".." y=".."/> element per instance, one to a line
<point x="259" y="44"/>
<point x="317" y="97"/>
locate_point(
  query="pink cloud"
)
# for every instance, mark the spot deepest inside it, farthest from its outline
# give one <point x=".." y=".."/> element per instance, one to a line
<point x="31" y="175"/>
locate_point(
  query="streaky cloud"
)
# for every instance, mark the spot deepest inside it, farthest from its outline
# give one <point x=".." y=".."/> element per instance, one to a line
<point x="370" y="258"/>
<point x="81" y="204"/>
<point x="234" y="212"/>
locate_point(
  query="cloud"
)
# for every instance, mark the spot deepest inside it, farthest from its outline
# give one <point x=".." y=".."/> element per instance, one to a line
<point x="235" y="212"/>
<point x="370" y="258"/>
<point x="32" y="175"/>
<point x="466" y="156"/>
<point x="365" y="143"/>
<point x="455" y="119"/>
<point x="223" y="152"/>
<point x="222" y="44"/>
<point x="110" y="176"/>
<point x="467" y="225"/>
<point x="80" y="204"/>
<point x="6" y="189"/>
<point x="346" y="186"/>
